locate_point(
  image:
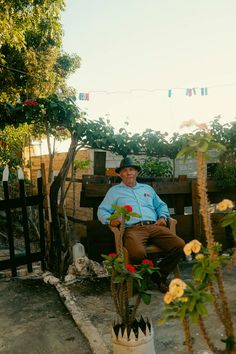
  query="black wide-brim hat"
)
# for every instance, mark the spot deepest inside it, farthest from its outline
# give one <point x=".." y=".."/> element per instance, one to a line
<point x="127" y="162"/>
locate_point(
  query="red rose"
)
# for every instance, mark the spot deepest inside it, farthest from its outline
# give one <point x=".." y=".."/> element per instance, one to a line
<point x="112" y="254"/>
<point x="128" y="207"/>
<point x="149" y="262"/>
<point x="130" y="268"/>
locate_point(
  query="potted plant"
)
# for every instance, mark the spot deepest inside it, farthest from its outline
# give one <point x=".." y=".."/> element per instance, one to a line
<point x="129" y="332"/>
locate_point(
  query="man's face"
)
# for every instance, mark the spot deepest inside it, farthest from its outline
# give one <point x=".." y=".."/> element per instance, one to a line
<point x="128" y="176"/>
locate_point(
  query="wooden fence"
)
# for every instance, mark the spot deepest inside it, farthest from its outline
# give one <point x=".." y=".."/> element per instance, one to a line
<point x="180" y="196"/>
<point x="11" y="206"/>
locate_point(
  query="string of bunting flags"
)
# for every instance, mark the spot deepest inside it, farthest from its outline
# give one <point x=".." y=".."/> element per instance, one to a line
<point x="85" y="96"/>
<point x="189" y="91"/>
<point x="192" y="91"/>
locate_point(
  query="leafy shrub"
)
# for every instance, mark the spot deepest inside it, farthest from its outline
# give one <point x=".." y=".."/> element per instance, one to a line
<point x="153" y="167"/>
<point x="225" y="175"/>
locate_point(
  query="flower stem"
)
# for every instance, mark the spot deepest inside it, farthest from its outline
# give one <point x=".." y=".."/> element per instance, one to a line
<point x="227" y="316"/>
<point x="216" y="301"/>
<point x="204" y="207"/>
<point x="206" y="337"/>
<point x="134" y="311"/>
<point x="204" y="203"/>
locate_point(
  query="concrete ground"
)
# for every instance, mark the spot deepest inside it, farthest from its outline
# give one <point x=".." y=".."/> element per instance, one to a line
<point x="95" y="299"/>
<point x="34" y="320"/>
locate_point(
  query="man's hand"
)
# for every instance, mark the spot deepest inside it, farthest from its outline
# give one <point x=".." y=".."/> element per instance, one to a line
<point x="161" y="222"/>
<point x="115" y="222"/>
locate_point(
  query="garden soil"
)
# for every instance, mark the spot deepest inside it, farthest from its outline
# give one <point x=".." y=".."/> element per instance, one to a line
<point x="36" y="318"/>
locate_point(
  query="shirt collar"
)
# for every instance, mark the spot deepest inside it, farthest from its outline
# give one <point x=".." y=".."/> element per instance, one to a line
<point x="138" y="185"/>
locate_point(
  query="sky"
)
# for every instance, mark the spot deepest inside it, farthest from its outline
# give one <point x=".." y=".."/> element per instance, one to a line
<point x="134" y="51"/>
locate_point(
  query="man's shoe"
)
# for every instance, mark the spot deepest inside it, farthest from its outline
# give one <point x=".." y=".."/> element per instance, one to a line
<point x="162" y="286"/>
<point x="160" y="282"/>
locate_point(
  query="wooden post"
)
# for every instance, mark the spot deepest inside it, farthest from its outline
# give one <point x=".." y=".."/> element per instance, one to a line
<point x="41" y="219"/>
<point x="47" y="209"/>
<point x="9" y="221"/>
<point x="25" y="219"/>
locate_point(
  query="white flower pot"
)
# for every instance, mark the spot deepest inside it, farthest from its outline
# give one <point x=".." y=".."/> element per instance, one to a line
<point x="144" y="344"/>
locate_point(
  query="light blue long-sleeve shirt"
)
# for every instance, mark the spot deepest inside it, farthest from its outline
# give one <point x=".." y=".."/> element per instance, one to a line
<point x="142" y="198"/>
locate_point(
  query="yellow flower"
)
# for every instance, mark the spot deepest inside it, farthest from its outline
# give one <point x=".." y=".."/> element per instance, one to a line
<point x="192" y="246"/>
<point x="187" y="249"/>
<point x="199" y="257"/>
<point x="177" y="291"/>
<point x="184" y="299"/>
<point x="224" y="205"/>
<point x="196" y="246"/>
<point x="177" y="287"/>
<point x="178" y="282"/>
<point x="168" y="298"/>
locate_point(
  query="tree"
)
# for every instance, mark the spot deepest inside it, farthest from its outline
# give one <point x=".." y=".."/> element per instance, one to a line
<point x="13" y="140"/>
<point x="154" y="143"/>
<point x="225" y="134"/>
<point x="32" y="63"/>
<point x="55" y="113"/>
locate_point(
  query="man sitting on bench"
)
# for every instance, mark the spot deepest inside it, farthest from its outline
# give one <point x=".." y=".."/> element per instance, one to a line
<point x="151" y="227"/>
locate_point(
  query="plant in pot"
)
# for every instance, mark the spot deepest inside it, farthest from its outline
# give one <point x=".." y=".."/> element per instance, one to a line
<point x="129" y="332"/>
<point x="190" y="301"/>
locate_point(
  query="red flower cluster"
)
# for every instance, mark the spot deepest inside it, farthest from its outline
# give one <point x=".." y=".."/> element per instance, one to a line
<point x="128" y="207"/>
<point x="130" y="268"/>
<point x="112" y="254"/>
<point x="31" y="103"/>
<point x="149" y="262"/>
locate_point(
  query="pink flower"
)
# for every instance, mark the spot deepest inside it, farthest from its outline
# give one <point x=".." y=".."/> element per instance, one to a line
<point x="128" y="207"/>
<point x="149" y="262"/>
<point x="130" y="268"/>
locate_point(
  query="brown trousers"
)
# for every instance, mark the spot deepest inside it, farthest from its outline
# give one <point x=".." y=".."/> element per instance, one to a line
<point x="137" y="236"/>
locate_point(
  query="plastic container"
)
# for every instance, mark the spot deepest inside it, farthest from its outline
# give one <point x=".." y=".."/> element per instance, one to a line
<point x="78" y="250"/>
<point x="189" y="258"/>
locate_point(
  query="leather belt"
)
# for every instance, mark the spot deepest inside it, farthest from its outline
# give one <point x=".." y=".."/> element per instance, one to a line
<point x="145" y="222"/>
